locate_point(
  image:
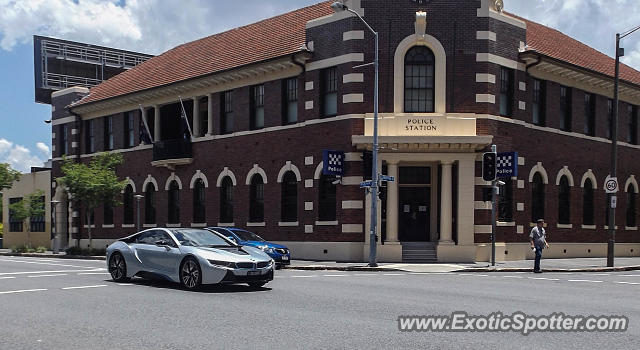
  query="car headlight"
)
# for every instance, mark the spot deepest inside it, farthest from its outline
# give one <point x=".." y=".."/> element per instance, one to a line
<point x="223" y="263"/>
<point x="266" y="249"/>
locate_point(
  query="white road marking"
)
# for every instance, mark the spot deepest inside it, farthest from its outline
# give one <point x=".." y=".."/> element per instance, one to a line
<point x="6" y="278"/>
<point x="53" y="271"/>
<point x="466" y="274"/>
<point x="629" y="275"/>
<point x="633" y="283"/>
<point x="44" y="263"/>
<point x="94" y="273"/>
<point x="305" y="276"/>
<point x="125" y="284"/>
<point x="53" y="275"/>
<point x="393" y="274"/>
<point x="512" y="277"/>
<point x="544" y="278"/>
<point x="82" y="287"/>
<point x="590" y="281"/>
<point x="364" y="274"/>
<point x="22" y="291"/>
<point x="601" y="274"/>
<point x="335" y="275"/>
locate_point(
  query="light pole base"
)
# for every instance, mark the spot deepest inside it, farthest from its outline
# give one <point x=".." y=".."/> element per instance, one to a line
<point x="372" y="264"/>
<point x="610" y="252"/>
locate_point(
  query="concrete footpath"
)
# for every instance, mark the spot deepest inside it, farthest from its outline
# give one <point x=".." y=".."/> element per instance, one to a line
<point x="548" y="265"/>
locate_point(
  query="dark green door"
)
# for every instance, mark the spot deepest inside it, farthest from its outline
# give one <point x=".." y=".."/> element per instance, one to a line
<point x="414" y="214"/>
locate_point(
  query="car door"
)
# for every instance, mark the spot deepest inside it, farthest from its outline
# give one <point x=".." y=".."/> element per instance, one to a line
<point x="157" y="259"/>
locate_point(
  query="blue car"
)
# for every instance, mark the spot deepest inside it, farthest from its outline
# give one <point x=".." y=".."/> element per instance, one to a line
<point x="279" y="253"/>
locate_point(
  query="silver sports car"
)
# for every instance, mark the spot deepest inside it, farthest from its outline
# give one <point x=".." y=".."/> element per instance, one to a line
<point x="189" y="256"/>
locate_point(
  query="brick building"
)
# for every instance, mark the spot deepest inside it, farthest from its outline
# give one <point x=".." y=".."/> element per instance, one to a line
<point x="265" y="100"/>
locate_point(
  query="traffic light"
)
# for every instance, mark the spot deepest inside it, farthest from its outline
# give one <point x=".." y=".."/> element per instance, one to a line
<point x="489" y="166"/>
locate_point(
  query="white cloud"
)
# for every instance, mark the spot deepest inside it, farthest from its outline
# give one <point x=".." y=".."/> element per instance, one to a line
<point x="20" y="157"/>
<point x="44" y="149"/>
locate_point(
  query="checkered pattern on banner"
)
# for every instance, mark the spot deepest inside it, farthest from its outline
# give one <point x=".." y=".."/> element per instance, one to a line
<point x="505" y="161"/>
<point x="335" y="159"/>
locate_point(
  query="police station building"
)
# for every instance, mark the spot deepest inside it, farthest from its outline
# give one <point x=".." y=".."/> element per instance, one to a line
<point x="279" y="107"/>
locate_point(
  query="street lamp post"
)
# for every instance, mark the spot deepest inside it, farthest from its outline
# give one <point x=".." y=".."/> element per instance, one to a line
<point x="138" y="199"/>
<point x="337" y="7"/>
<point x="54" y="229"/>
<point x="614" y="147"/>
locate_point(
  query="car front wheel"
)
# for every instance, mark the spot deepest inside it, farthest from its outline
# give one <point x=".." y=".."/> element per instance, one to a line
<point x="190" y="274"/>
<point x="118" y="268"/>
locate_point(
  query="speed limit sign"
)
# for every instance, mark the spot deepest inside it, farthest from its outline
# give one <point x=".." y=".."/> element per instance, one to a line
<point x="611" y="184"/>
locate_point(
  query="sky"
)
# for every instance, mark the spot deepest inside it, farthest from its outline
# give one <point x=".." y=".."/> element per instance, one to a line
<point x="154" y="26"/>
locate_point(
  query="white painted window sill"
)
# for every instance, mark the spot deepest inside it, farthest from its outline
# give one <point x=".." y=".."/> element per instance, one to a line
<point x="256" y="224"/>
<point x="327" y="223"/>
<point x="632" y="228"/>
<point x="564" y="225"/>
<point x="505" y="223"/>
<point x="128" y="225"/>
<point x="226" y="224"/>
<point x="87" y="226"/>
<point x="108" y="226"/>
<point x="589" y="227"/>
<point x="149" y="225"/>
<point x="174" y="225"/>
<point x="288" y="223"/>
<point x="198" y="224"/>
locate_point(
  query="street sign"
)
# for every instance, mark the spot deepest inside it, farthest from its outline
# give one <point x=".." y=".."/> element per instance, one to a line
<point x="387" y="178"/>
<point x="365" y="184"/>
<point x="614" y="201"/>
<point x="611" y="184"/>
<point x="507" y="164"/>
<point x="332" y="162"/>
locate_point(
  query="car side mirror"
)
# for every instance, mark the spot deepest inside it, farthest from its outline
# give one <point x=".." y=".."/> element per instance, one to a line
<point x="163" y="243"/>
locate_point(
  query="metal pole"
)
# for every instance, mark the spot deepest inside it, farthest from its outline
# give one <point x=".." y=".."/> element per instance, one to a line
<point x="494" y="187"/>
<point x="614" y="158"/>
<point x="138" y="198"/>
<point x="374" y="175"/>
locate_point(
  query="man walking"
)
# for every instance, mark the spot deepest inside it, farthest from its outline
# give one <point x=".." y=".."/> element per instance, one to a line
<point x="538" y="237"/>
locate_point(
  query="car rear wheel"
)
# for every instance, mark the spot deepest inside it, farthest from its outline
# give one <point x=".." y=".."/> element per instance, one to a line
<point x="190" y="274"/>
<point x="118" y="268"/>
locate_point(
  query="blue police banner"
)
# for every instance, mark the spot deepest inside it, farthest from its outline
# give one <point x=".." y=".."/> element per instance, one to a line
<point x="507" y="164"/>
<point x="332" y="162"/>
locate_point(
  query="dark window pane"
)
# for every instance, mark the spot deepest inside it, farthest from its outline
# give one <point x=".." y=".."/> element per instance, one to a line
<point x="631" y="207"/>
<point x="150" y="204"/>
<point x="415" y="175"/>
<point x="199" y="209"/>
<point x="174" y="203"/>
<point x="256" y="199"/>
<point x="289" y="200"/>
<point x="419" y="80"/>
<point x="127" y="203"/>
<point x="329" y="92"/>
<point x="564" y="201"/>
<point x="587" y="203"/>
<point x="505" y="201"/>
<point x="537" y="198"/>
<point x="226" y="200"/>
<point x="326" y="199"/>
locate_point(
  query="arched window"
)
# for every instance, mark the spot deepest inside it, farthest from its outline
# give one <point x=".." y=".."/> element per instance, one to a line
<point x="150" y="204"/>
<point x="419" y="80"/>
<point x="173" y="203"/>
<point x="289" y="199"/>
<point x="127" y="204"/>
<point x="505" y="201"/>
<point x="564" y="201"/>
<point x="631" y="207"/>
<point x="587" y="203"/>
<point x="256" y="199"/>
<point x="326" y="199"/>
<point x="226" y="200"/>
<point x="537" y="198"/>
<point x="199" y="209"/>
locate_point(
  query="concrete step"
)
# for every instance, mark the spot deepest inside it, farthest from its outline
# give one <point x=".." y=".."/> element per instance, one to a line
<point x="419" y="252"/>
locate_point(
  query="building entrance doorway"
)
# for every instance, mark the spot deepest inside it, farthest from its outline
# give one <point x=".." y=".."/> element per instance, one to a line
<point x="414" y="192"/>
<point x="414" y="214"/>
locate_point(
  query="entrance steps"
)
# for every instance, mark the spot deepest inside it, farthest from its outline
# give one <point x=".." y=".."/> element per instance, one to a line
<point x="419" y="252"/>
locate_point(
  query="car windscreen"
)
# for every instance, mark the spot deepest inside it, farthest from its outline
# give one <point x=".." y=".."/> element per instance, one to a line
<point x="200" y="238"/>
<point x="248" y="236"/>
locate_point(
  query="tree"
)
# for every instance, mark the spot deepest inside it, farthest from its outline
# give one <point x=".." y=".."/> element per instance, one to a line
<point x="7" y="176"/>
<point x="93" y="184"/>
<point x="26" y="210"/>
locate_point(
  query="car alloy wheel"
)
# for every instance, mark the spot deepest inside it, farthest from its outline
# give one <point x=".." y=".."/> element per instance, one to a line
<point x="190" y="276"/>
<point x="118" y="267"/>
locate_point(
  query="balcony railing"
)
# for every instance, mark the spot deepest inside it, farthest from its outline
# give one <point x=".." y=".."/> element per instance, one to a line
<point x="172" y="149"/>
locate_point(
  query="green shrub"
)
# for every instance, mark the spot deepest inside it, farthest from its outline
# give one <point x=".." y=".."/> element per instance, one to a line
<point x="41" y="249"/>
<point x="23" y="249"/>
<point x="85" y="251"/>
